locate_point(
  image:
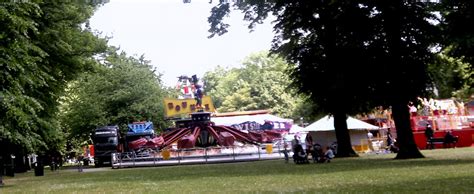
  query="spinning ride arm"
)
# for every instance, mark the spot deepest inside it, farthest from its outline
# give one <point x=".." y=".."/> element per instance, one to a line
<point x="178" y="135"/>
<point x="241" y="136"/>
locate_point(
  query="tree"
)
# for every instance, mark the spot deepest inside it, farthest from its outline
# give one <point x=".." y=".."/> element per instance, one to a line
<point x="365" y="53"/>
<point x="43" y="46"/>
<point x="457" y="16"/>
<point x="326" y="46"/>
<point x="457" y="44"/>
<point x="261" y="83"/>
<point x="451" y="76"/>
<point x="122" y="90"/>
<point x="401" y="48"/>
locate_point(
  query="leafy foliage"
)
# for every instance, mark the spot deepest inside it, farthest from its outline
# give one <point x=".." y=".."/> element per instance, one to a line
<point x="123" y="90"/>
<point x="458" y="17"/>
<point x="451" y="76"/>
<point x="350" y="56"/>
<point x="262" y="83"/>
<point x="43" y="46"/>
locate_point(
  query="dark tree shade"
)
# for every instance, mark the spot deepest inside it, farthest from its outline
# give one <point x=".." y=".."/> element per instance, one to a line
<point x="457" y="28"/>
<point x="352" y="55"/>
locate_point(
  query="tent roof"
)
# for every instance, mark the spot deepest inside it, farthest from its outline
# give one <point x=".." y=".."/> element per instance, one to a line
<point x="327" y="124"/>
<point x="260" y="118"/>
<point x="296" y="129"/>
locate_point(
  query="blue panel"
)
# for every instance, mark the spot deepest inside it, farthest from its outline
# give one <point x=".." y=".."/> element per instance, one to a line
<point x="140" y="128"/>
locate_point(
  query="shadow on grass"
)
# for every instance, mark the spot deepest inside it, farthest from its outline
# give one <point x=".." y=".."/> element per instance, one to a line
<point x="272" y="168"/>
<point x="277" y="168"/>
<point x="461" y="184"/>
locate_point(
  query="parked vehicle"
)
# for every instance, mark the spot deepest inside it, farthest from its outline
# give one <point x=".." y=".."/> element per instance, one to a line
<point x="106" y="142"/>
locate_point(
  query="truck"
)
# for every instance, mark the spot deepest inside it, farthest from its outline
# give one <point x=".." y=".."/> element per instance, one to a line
<point x="106" y="142"/>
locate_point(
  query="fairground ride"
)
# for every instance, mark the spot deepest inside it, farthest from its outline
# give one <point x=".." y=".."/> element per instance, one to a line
<point x="191" y="112"/>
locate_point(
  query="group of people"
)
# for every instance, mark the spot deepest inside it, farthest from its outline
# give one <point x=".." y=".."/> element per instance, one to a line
<point x="437" y="107"/>
<point x="391" y="142"/>
<point x="449" y="139"/>
<point x="300" y="154"/>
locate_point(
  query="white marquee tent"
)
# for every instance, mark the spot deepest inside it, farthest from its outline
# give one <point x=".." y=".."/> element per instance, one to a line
<point x="297" y="129"/>
<point x="322" y="131"/>
<point x="327" y="124"/>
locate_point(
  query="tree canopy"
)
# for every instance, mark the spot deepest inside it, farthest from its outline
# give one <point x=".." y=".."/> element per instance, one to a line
<point x="261" y="83"/>
<point x="124" y="89"/>
<point x="457" y="17"/>
<point x="452" y="77"/>
<point x="350" y="56"/>
<point x="43" y="45"/>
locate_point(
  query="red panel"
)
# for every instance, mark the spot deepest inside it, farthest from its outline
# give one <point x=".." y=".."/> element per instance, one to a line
<point x="91" y="150"/>
<point x="187" y="141"/>
<point x="226" y="139"/>
<point x="137" y="143"/>
<point x="465" y="138"/>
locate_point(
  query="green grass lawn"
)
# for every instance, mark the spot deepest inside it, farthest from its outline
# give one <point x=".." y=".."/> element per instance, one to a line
<point x="442" y="171"/>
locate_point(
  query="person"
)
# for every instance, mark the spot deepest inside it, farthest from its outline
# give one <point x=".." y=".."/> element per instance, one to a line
<point x="369" y="134"/>
<point x="53" y="164"/>
<point x="309" y="143"/>
<point x="389" y="138"/>
<point x="198" y="95"/>
<point x="79" y="160"/>
<point x="334" y="147"/>
<point x="299" y="156"/>
<point x="428" y="134"/>
<point x="317" y="153"/>
<point x="294" y="142"/>
<point x="394" y="147"/>
<point x="329" y="154"/>
<point x="449" y="139"/>
<point x="391" y="142"/>
<point x="369" y="139"/>
<point x="285" y="151"/>
<point x="413" y="109"/>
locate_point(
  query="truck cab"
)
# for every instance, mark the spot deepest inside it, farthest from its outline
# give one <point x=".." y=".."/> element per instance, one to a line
<point x="106" y="142"/>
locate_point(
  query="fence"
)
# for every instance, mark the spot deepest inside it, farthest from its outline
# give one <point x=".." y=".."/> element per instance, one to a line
<point x="197" y="155"/>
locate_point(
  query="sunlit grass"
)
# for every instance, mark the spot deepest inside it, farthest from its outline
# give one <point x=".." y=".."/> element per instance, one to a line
<point x="442" y="171"/>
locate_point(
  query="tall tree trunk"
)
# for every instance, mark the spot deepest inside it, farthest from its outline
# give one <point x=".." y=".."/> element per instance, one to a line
<point x="405" y="139"/>
<point x="344" y="145"/>
<point x="397" y="83"/>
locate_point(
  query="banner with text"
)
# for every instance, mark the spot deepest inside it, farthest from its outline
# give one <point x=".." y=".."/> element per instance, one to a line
<point x="181" y="107"/>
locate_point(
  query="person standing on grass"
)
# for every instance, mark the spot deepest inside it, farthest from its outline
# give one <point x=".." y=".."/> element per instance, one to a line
<point x="285" y="151"/>
<point x="428" y="134"/>
<point x="309" y="143"/>
<point x="295" y="142"/>
<point x="370" y="136"/>
<point x="389" y="138"/>
<point x="79" y="164"/>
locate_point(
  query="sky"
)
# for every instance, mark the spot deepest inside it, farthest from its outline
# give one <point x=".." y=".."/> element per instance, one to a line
<point x="173" y="35"/>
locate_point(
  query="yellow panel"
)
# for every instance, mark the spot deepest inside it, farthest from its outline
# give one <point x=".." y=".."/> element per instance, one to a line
<point x="360" y="148"/>
<point x="166" y="154"/>
<point x="183" y="107"/>
<point x="269" y="148"/>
